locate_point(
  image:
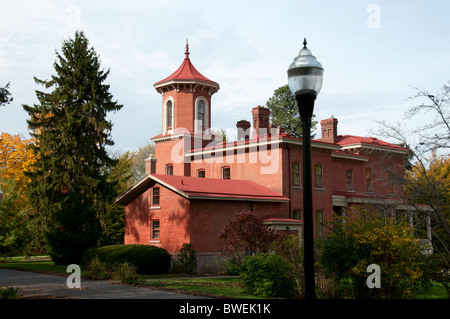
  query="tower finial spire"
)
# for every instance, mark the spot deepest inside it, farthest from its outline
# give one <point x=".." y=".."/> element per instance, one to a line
<point x="304" y="43"/>
<point x="186" y="52"/>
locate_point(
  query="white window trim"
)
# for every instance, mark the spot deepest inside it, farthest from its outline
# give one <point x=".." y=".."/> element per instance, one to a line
<point x="197" y="127"/>
<point x="166" y="130"/>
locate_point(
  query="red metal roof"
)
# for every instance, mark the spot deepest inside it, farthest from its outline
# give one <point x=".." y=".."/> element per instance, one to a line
<point x="187" y="71"/>
<point x="195" y="188"/>
<point x="204" y="188"/>
<point x="344" y="140"/>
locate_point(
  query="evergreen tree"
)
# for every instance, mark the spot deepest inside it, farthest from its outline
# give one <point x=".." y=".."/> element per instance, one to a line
<point x="284" y="111"/>
<point x="5" y="95"/>
<point x="69" y="187"/>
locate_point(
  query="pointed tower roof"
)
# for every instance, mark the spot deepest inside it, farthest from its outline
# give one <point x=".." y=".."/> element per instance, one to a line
<point x="186" y="74"/>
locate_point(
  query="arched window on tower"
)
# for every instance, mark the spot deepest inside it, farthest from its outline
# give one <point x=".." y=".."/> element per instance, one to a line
<point x="169" y="115"/>
<point x="201" y="114"/>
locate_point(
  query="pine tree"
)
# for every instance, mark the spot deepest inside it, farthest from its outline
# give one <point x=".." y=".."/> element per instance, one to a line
<point x="284" y="111"/>
<point x="69" y="187"/>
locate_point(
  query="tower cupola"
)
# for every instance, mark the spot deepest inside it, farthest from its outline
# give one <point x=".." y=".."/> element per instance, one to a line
<point x="186" y="98"/>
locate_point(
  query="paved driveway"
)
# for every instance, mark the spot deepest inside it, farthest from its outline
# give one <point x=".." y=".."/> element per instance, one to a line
<point x="36" y="285"/>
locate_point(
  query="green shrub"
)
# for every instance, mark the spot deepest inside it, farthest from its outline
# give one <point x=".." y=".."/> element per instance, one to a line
<point x="266" y="275"/>
<point x="125" y="272"/>
<point x="147" y="259"/>
<point x="232" y="266"/>
<point x="97" y="269"/>
<point x="8" y="293"/>
<point x="372" y="238"/>
<point x="186" y="261"/>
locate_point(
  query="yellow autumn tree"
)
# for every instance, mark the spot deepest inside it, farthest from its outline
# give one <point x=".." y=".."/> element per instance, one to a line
<point x="16" y="215"/>
<point x="428" y="183"/>
<point x="365" y="236"/>
<point x="15" y="159"/>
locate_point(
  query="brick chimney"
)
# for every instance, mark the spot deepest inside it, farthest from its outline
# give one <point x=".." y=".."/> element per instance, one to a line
<point x="243" y="128"/>
<point x="329" y="130"/>
<point x="260" y="119"/>
<point x="150" y="165"/>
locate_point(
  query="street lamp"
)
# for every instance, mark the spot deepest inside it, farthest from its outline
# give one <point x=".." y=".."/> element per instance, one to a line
<point x="305" y="77"/>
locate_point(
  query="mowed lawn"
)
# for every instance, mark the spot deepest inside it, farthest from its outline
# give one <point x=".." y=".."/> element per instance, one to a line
<point x="218" y="286"/>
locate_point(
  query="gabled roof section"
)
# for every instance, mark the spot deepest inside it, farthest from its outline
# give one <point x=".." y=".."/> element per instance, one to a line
<point x="203" y="188"/>
<point x="187" y="74"/>
<point x="351" y="141"/>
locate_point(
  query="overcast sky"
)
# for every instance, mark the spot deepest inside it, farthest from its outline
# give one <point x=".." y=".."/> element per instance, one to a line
<point x="372" y="52"/>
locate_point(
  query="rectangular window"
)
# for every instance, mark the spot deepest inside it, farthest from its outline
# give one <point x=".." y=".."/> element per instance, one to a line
<point x="169" y="169"/>
<point x="201" y="173"/>
<point x="318" y="176"/>
<point x="349" y="179"/>
<point x="296" y="174"/>
<point x="369" y="180"/>
<point x="319" y="224"/>
<point x="155" y="196"/>
<point x="226" y="173"/>
<point x="297" y="214"/>
<point x="155" y="229"/>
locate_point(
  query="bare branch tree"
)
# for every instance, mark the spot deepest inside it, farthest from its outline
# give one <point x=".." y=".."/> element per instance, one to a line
<point x="428" y="138"/>
<point x="435" y="135"/>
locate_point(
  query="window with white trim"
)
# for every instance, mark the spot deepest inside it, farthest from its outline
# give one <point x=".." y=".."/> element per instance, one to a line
<point x="168" y="115"/>
<point x="201" y="121"/>
<point x="169" y="112"/>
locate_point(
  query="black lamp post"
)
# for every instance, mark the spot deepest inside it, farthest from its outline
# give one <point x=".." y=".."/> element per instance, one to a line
<point x="305" y="77"/>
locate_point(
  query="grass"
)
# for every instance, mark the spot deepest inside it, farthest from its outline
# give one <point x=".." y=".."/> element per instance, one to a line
<point x="436" y="291"/>
<point x="37" y="264"/>
<point x="222" y="287"/>
<point x="225" y="287"/>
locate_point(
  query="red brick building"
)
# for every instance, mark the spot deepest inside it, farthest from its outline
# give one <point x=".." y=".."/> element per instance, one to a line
<point x="196" y="184"/>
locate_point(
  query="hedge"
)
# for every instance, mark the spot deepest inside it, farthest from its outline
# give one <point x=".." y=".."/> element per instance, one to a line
<point x="147" y="259"/>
